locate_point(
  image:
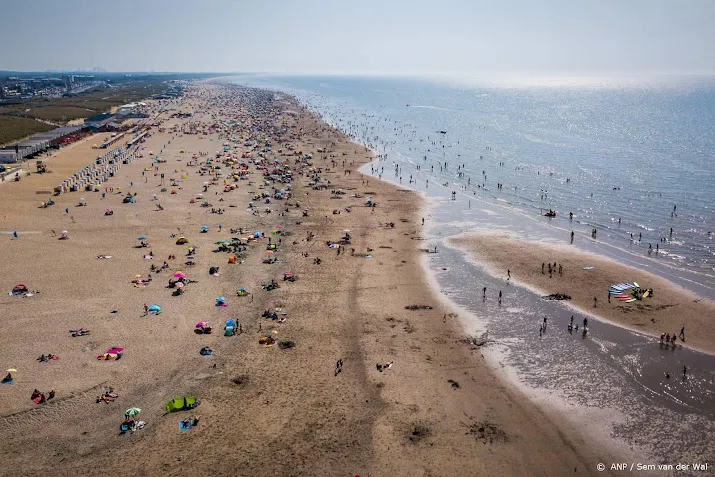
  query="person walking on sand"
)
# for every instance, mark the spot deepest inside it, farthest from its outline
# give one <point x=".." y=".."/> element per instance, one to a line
<point x="542" y="267"/>
<point x="682" y="334"/>
<point x="572" y="237"/>
<point x="595" y="302"/>
<point x="484" y="292"/>
<point x="508" y="274"/>
<point x="585" y="324"/>
<point x="609" y="298"/>
<point x="146" y="309"/>
<point x="544" y="325"/>
<point x="500" y="297"/>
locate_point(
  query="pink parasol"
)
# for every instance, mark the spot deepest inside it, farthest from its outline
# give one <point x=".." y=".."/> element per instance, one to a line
<point x="179" y="275"/>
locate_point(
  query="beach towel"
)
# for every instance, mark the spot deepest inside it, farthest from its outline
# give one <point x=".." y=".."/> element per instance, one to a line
<point x="185" y="426"/>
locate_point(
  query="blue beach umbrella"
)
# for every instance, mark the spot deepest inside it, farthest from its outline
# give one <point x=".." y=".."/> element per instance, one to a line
<point x="204" y="227"/>
<point x="141" y="238"/>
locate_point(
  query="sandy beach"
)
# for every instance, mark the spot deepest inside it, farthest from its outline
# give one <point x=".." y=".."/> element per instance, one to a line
<point x="288" y="409"/>
<point x="586" y="276"/>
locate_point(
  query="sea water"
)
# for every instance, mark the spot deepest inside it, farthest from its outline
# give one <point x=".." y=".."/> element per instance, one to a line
<point x="603" y="154"/>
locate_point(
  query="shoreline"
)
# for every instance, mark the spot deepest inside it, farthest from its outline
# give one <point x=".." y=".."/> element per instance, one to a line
<point x="618" y="327"/>
<point x="289" y="404"/>
<point x="641" y="317"/>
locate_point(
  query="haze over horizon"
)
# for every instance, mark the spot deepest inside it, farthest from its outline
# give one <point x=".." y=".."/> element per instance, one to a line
<point x="419" y="37"/>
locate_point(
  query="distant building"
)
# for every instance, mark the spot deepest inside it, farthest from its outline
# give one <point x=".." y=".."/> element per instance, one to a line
<point x="8" y="156"/>
<point x="98" y="118"/>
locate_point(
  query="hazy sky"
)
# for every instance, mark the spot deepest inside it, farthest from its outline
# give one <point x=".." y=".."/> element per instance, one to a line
<point x="370" y="36"/>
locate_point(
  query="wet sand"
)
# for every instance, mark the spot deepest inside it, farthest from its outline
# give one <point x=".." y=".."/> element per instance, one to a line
<point x="670" y="309"/>
<point x="439" y="410"/>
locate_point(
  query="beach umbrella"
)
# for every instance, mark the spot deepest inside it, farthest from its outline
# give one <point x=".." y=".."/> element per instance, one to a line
<point x="204" y="227"/>
<point x="12" y="370"/>
<point x="179" y="275"/>
<point x="141" y="238"/>
<point x="155" y="308"/>
<point x="132" y="411"/>
<point x="202" y="324"/>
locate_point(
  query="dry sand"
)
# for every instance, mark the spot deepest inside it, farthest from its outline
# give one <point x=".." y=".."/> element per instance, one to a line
<point x="671" y="307"/>
<point x="264" y="411"/>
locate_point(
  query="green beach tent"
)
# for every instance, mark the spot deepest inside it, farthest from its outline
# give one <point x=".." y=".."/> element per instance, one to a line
<point x="181" y="404"/>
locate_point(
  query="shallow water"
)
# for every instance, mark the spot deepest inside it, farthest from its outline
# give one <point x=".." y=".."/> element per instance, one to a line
<point x="644" y="141"/>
